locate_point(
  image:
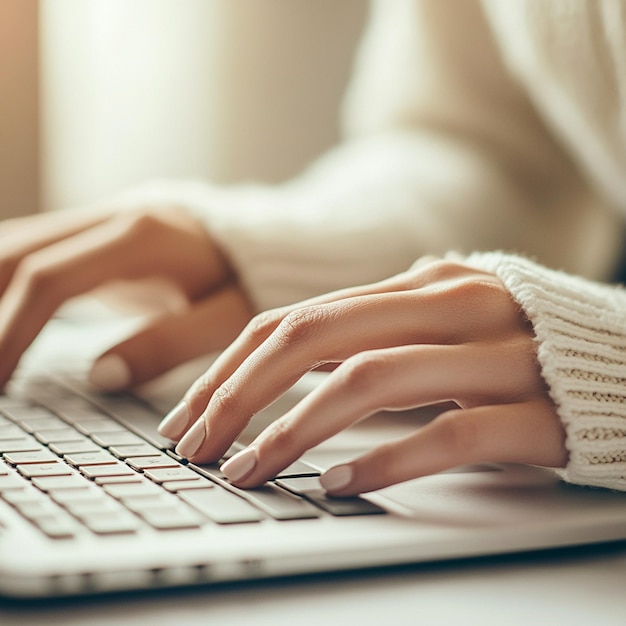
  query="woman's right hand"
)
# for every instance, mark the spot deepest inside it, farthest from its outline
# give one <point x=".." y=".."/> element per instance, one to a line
<point x="49" y="258"/>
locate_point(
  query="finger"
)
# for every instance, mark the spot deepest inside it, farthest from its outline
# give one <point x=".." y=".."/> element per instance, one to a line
<point x="393" y="379"/>
<point x="116" y="249"/>
<point x="256" y="332"/>
<point x="23" y="236"/>
<point x="204" y="327"/>
<point x="264" y="324"/>
<point x="243" y="354"/>
<point x="430" y="271"/>
<point x="528" y="432"/>
<point x="309" y="337"/>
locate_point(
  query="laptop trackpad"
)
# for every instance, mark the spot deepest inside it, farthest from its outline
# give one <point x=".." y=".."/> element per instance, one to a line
<point x="516" y="495"/>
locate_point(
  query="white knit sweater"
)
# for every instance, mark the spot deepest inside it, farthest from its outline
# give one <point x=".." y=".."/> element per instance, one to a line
<point x="474" y="125"/>
<point x="580" y="328"/>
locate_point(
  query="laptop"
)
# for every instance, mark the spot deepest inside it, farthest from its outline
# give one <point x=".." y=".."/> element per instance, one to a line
<point x="93" y="500"/>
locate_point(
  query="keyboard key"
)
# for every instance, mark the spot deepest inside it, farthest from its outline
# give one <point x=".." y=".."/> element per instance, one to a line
<point x="70" y="497"/>
<point x="35" y="470"/>
<point x="113" y="523"/>
<point x="153" y="462"/>
<point x="35" y="509"/>
<point x="174" y="473"/>
<point x="298" y="468"/>
<point x="276" y="502"/>
<point x="75" y="481"/>
<point x="113" y="480"/>
<point x="22" y="444"/>
<point x="56" y="435"/>
<point x="311" y="489"/>
<point x="101" y="457"/>
<point x="73" y="447"/>
<point x="25" y="413"/>
<point x="221" y="506"/>
<point x="117" y="469"/>
<point x="91" y="427"/>
<point x="131" y="452"/>
<point x="132" y="490"/>
<point x="9" y="402"/>
<point x="32" y="425"/>
<point x="42" y="455"/>
<point x="79" y="413"/>
<point x="10" y="431"/>
<point x="172" y="518"/>
<point x="175" y="486"/>
<point x="57" y="526"/>
<point x="121" y="438"/>
<point x="11" y="482"/>
<point x="88" y="508"/>
<point x="21" y="496"/>
<point x="280" y="504"/>
<point x="139" y="504"/>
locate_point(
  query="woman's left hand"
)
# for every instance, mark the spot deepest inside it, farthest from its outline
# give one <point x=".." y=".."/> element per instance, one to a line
<point x="441" y="331"/>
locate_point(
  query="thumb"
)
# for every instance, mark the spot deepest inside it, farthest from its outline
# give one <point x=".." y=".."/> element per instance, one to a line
<point x="206" y="326"/>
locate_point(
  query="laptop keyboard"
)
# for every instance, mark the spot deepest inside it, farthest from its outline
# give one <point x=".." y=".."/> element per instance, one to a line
<point x="72" y="463"/>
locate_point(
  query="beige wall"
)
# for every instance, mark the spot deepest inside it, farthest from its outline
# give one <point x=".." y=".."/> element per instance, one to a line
<point x="227" y="90"/>
<point x="19" y="182"/>
<point x="99" y="94"/>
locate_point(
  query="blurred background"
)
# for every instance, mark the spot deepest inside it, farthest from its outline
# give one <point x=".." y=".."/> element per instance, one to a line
<point x="96" y="95"/>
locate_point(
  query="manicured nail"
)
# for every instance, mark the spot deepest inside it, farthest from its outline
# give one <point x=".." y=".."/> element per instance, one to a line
<point x="241" y="465"/>
<point x="337" y="478"/>
<point x="175" y="422"/>
<point x="110" y="373"/>
<point x="192" y="441"/>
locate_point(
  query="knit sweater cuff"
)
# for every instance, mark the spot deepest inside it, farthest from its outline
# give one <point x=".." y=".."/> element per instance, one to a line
<point x="580" y="329"/>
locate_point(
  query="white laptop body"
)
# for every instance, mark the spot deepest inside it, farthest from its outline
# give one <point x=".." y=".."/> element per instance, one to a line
<point x="467" y="512"/>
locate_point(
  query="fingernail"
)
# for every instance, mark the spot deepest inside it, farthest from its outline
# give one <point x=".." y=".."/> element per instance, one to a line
<point x="175" y="422"/>
<point x="192" y="441"/>
<point x="337" y="478"/>
<point x="110" y="373"/>
<point x="241" y="465"/>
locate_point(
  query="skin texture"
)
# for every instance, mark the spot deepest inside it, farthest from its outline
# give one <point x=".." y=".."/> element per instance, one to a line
<point x="50" y="258"/>
<point x="441" y="332"/>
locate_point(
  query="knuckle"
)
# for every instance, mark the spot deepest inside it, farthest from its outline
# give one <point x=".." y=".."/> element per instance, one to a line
<point x="38" y="278"/>
<point x="262" y="324"/>
<point x="363" y="372"/>
<point x="478" y="289"/>
<point x="9" y="263"/>
<point x="386" y="464"/>
<point x="199" y="394"/>
<point x="201" y="387"/>
<point x="8" y="266"/>
<point x="225" y="401"/>
<point x="481" y="299"/>
<point x="459" y="436"/>
<point x="281" y="436"/>
<point x="301" y="325"/>
<point x="140" y="223"/>
<point x="437" y="271"/>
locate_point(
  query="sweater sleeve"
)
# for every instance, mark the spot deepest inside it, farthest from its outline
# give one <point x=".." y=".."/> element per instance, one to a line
<point x="442" y="151"/>
<point x="580" y="329"/>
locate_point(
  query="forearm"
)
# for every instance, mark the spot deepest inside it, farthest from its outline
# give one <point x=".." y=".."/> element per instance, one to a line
<point x="363" y="212"/>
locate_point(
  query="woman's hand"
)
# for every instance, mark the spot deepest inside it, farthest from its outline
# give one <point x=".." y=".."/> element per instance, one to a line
<point x="439" y="332"/>
<point x="47" y="259"/>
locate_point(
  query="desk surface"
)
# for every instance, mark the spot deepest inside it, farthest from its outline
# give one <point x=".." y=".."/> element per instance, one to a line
<point x="573" y="587"/>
